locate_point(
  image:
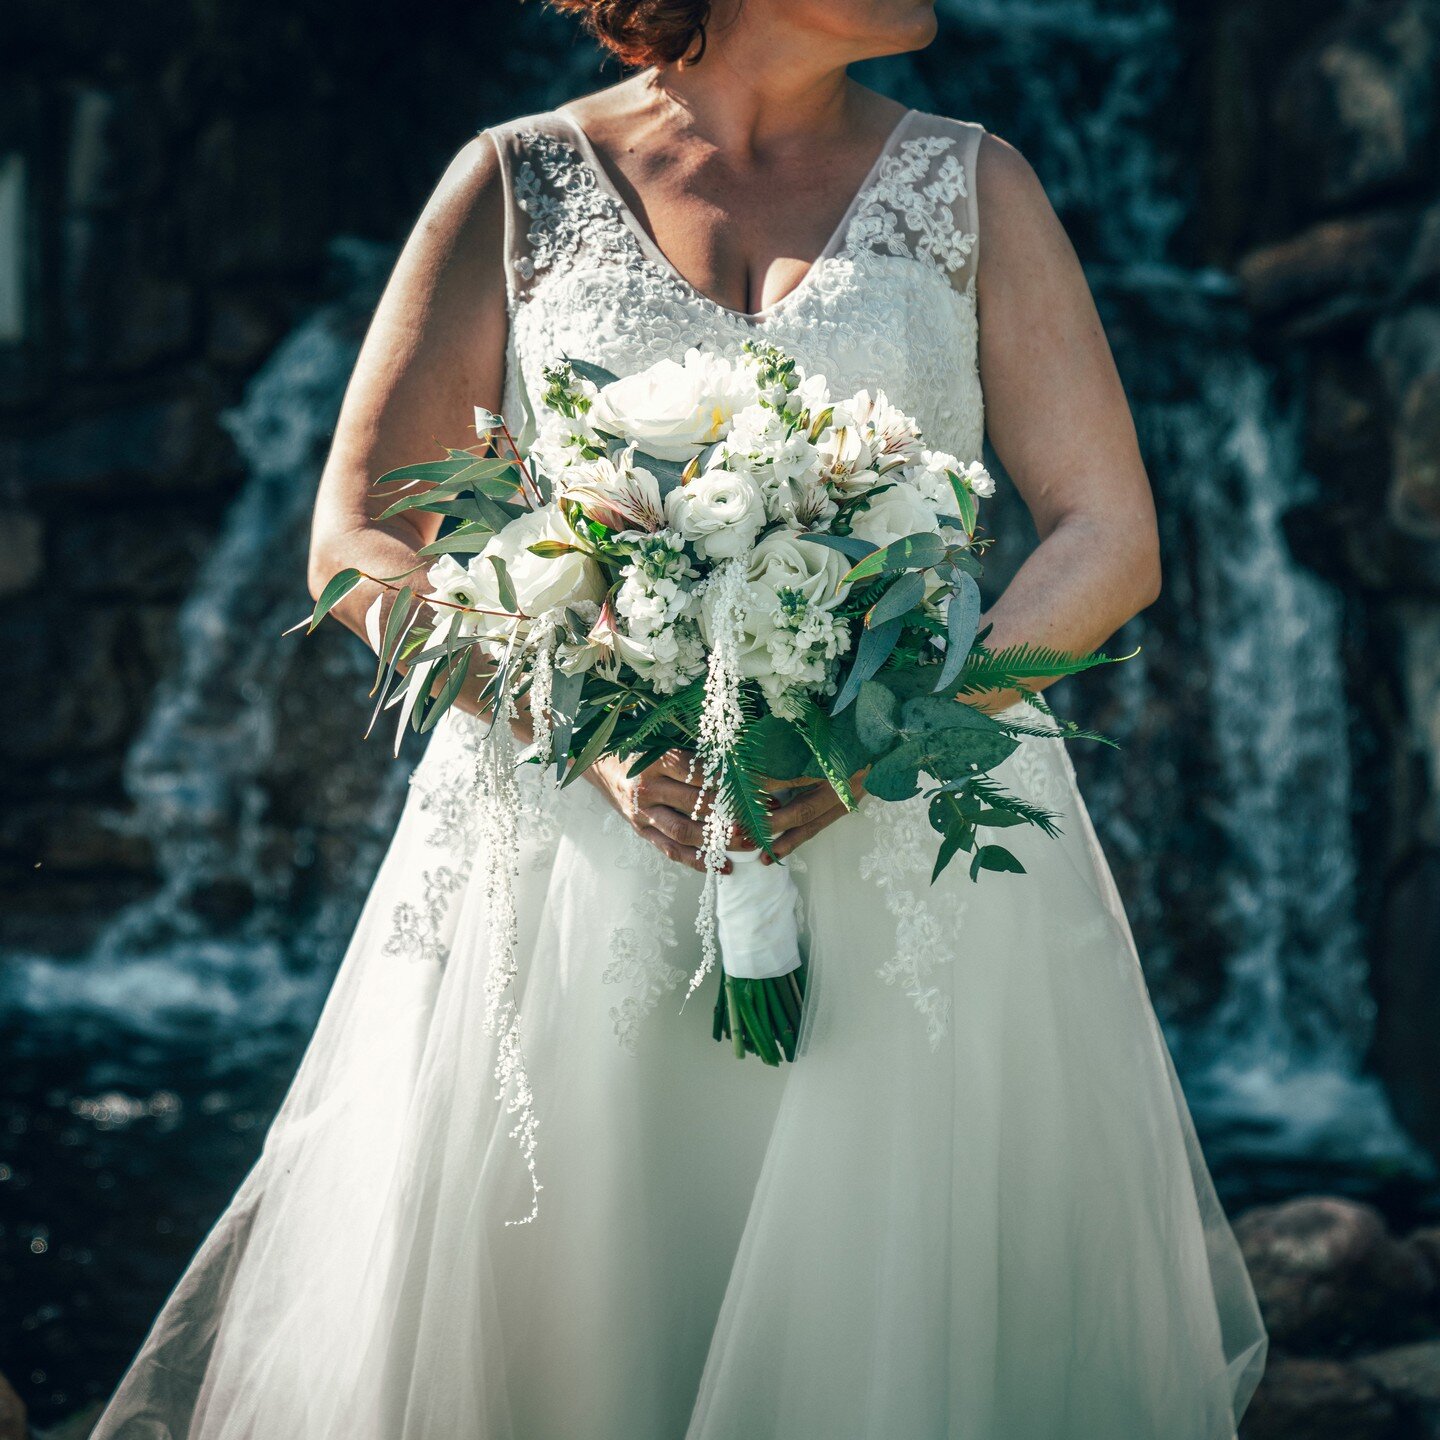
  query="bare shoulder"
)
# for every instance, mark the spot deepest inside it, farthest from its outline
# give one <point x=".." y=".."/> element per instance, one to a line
<point x="1009" y="190"/>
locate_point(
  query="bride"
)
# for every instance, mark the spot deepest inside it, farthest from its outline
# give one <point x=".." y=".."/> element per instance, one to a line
<point x="975" y="1207"/>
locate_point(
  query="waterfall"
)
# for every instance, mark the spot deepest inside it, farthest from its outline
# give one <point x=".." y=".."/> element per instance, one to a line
<point x="1273" y="1062"/>
<point x="197" y="773"/>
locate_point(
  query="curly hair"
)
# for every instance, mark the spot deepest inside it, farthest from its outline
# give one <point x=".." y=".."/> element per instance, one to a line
<point x="645" y="32"/>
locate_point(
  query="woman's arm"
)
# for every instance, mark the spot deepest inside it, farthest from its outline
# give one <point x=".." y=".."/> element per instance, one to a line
<point x="435" y="350"/>
<point x="1059" y="421"/>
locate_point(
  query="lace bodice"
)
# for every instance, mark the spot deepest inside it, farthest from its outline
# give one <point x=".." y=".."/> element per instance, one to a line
<point x="889" y="303"/>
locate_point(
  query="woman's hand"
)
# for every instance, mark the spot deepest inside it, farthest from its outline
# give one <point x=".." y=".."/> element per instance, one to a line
<point x="807" y="814"/>
<point x="659" y="803"/>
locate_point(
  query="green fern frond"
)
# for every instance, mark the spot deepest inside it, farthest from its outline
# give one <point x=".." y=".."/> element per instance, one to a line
<point x="999" y="798"/>
<point x="681" y="709"/>
<point x="746" y="802"/>
<point x="1017" y="666"/>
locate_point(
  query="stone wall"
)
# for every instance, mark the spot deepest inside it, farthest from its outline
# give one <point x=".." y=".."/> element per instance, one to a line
<point x="1322" y="175"/>
<point x="169" y="186"/>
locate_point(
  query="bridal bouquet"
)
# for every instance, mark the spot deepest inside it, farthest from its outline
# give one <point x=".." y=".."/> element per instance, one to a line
<point x="720" y="555"/>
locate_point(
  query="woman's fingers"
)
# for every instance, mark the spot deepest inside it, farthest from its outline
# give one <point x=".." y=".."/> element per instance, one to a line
<point x="679" y="827"/>
<point x="672" y="849"/>
<point x="797" y="836"/>
<point x="804" y="808"/>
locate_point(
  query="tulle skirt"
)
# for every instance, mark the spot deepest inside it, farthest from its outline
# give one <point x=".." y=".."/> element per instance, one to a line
<point x="974" y="1208"/>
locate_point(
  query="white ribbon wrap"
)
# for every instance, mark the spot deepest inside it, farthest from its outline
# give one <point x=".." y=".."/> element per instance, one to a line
<point x="755" y="918"/>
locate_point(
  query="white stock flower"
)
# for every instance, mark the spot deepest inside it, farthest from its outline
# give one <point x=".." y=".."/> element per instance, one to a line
<point x="673" y="410"/>
<point x="892" y="514"/>
<point x="931" y="477"/>
<point x="720" y="513"/>
<point x="618" y="494"/>
<point x="559" y="442"/>
<point x="978" y="480"/>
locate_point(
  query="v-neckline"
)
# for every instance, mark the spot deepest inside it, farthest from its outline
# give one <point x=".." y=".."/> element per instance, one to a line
<point x="650" y="247"/>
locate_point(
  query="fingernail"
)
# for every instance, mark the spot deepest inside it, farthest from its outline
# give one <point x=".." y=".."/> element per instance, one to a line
<point x="727" y="867"/>
<point x="766" y="860"/>
<point x="771" y="803"/>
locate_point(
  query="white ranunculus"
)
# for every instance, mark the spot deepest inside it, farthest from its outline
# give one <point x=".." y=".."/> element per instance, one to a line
<point x="673" y="410"/>
<point x="719" y="512"/>
<point x="618" y="494"/>
<point x="540" y="585"/>
<point x="892" y="514"/>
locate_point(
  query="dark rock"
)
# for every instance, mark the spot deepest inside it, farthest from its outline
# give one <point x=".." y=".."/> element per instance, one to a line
<point x="1356" y="113"/>
<point x="22" y="555"/>
<point x="12" y="1413"/>
<point x="1339" y="268"/>
<point x="1319" y="1400"/>
<point x="1405" y="978"/>
<point x="1415" y="495"/>
<point x="1411" y="1375"/>
<point x="1330" y="1277"/>
<point x="162" y="444"/>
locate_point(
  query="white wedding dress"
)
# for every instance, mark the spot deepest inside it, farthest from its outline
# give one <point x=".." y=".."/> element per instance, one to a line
<point x="974" y="1208"/>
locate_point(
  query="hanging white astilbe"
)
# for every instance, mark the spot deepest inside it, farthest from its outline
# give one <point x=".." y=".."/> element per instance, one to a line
<point x="721" y="720"/>
<point x="542" y="638"/>
<point x="498" y="794"/>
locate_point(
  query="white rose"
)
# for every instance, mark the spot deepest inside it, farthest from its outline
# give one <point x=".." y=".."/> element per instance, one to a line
<point x="719" y="512"/>
<point x="892" y="514"/>
<point x="672" y="411"/>
<point x="539" y="584"/>
<point x="786" y="561"/>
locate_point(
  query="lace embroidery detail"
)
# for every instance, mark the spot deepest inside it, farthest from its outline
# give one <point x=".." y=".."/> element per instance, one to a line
<point x="926" y="211"/>
<point x="899" y="863"/>
<point x="637" y="948"/>
<point x="568" y="210"/>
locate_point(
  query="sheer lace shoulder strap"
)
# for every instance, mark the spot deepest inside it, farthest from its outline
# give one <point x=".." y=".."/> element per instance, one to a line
<point x="556" y="211"/>
<point x="922" y="201"/>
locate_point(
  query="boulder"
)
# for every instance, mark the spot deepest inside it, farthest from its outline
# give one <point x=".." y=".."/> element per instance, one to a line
<point x="1319" y="1400"/>
<point x="1410" y="1375"/>
<point x="12" y="1413"/>
<point x="1355" y="115"/>
<point x="1330" y="1277"/>
<point x="1335" y="269"/>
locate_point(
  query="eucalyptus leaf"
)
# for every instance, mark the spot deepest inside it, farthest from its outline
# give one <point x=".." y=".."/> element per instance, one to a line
<point x="877" y="717"/>
<point x="774" y="748"/>
<point x="943" y="754"/>
<point x="994" y="857"/>
<point x="670" y="473"/>
<point x="921" y="551"/>
<point x="336" y="589"/>
<point x="565" y="690"/>
<point x="595" y="374"/>
<point x="503" y="585"/>
<point x="467" y="539"/>
<point x="934" y="712"/>
<point x="874" y="649"/>
<point x="899" y="600"/>
<point x="851" y="546"/>
<point x="965" y="500"/>
<point x="594" y="746"/>
<point x="961" y="622"/>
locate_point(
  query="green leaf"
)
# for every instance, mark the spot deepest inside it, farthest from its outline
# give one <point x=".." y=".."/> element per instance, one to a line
<point x="396" y="623"/>
<point x="503" y="585"/>
<point x="899" y="600"/>
<point x="914" y="552"/>
<point x="337" y="587"/>
<point x="965" y="500"/>
<point x="596" y="374"/>
<point x="427" y="472"/>
<point x="746" y="801"/>
<point x="933" y="712"/>
<point x="595" y="746"/>
<point x="961" y="622"/>
<point x="814" y="729"/>
<point x="670" y="473"/>
<point x="1018" y="666"/>
<point x="467" y="539"/>
<point x="565" y="693"/>
<point x="774" y="748"/>
<point x="455" y="678"/>
<point x="944" y="754"/>
<point x="681" y="709"/>
<point x="877" y="717"/>
<point x="876" y="643"/>
<point x="994" y="857"/>
<point x="851" y="546"/>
